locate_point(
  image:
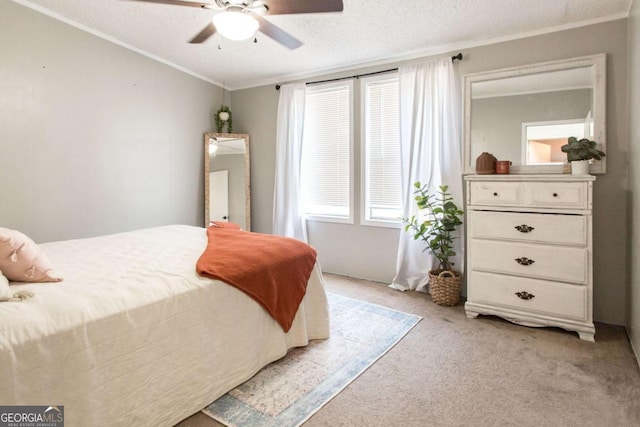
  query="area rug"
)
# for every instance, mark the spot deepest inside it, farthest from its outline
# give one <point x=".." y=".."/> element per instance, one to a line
<point x="289" y="391"/>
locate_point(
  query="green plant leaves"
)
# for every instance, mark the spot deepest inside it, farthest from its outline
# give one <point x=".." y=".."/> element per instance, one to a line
<point x="443" y="217"/>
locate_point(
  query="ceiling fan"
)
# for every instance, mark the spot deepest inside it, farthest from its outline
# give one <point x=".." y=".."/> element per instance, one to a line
<point x="240" y="19"/>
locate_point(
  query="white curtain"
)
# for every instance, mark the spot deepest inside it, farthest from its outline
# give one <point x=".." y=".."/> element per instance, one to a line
<point x="288" y="220"/>
<point x="430" y="153"/>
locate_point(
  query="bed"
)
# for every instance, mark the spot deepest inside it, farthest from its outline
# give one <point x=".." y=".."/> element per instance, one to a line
<point x="133" y="336"/>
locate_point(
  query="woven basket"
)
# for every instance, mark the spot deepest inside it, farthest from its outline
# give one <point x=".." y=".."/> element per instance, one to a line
<point x="445" y="287"/>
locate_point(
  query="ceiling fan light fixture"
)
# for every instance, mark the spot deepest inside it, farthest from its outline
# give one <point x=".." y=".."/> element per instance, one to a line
<point x="235" y="25"/>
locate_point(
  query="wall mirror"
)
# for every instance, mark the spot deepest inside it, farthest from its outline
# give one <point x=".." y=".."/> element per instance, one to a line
<point x="525" y="114"/>
<point x="227" y="188"/>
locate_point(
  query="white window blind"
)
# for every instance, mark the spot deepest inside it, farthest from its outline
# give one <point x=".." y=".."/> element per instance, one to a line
<point x="326" y="151"/>
<point x="381" y="112"/>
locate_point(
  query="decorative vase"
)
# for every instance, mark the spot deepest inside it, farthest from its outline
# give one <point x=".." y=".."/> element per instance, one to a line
<point x="580" y="167"/>
<point x="486" y="164"/>
<point x="503" y="167"/>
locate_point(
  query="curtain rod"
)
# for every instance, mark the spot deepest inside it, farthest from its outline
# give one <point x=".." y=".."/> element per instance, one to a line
<point x="357" y="76"/>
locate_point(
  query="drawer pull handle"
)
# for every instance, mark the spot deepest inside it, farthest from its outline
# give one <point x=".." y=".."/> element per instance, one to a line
<point x="524" y="228"/>
<point x="495" y="194"/>
<point x="525" y="295"/>
<point x="524" y="261"/>
<point x="555" y="194"/>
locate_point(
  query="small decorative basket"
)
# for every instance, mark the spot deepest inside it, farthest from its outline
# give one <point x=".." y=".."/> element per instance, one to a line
<point x="445" y="287"/>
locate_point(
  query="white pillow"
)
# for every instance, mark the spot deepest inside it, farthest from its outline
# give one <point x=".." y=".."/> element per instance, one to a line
<point x="6" y="294"/>
<point x="5" y="291"/>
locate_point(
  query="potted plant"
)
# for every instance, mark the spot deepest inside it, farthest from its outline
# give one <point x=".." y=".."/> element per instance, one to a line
<point x="437" y="230"/>
<point x="223" y="117"/>
<point x="579" y="152"/>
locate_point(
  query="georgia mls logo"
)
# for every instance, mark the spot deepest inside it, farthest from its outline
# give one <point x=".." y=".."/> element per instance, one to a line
<point x="32" y="416"/>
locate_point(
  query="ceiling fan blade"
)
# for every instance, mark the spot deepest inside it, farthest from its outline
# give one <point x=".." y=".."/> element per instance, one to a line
<point x="278" y="34"/>
<point x="179" y="3"/>
<point x="203" y="35"/>
<point x="287" y="7"/>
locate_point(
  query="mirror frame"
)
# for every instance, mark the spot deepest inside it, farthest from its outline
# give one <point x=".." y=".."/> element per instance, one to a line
<point x="247" y="175"/>
<point x="598" y="62"/>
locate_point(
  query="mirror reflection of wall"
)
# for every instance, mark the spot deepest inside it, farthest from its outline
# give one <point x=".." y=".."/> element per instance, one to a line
<point x="227" y="185"/>
<point x="497" y="121"/>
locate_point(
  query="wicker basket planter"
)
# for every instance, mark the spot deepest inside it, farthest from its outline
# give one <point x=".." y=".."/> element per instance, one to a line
<point x="437" y="228"/>
<point x="445" y="286"/>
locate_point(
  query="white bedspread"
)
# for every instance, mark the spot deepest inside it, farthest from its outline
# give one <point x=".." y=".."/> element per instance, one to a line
<point x="134" y="337"/>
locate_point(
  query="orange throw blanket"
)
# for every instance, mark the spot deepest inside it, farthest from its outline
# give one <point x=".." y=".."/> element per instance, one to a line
<point x="272" y="270"/>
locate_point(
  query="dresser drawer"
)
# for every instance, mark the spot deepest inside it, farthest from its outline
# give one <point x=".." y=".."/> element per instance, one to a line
<point x="565" y="195"/>
<point x="563" y="263"/>
<point x="490" y="193"/>
<point x="537" y="296"/>
<point x="528" y="227"/>
<point x="547" y="195"/>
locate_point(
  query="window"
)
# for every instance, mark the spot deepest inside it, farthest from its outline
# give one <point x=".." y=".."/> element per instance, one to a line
<point x="326" y="185"/>
<point x="542" y="141"/>
<point x="382" y="188"/>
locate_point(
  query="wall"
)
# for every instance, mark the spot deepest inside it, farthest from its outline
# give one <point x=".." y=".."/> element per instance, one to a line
<point x="370" y="252"/>
<point x="95" y="138"/>
<point x="633" y="322"/>
<point x="254" y="112"/>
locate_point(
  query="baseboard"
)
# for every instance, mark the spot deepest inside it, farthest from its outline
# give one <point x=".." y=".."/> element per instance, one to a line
<point x="356" y="277"/>
<point x="634" y="349"/>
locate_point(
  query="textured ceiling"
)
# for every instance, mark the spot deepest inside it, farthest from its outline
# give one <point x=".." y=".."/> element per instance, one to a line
<point x="368" y="32"/>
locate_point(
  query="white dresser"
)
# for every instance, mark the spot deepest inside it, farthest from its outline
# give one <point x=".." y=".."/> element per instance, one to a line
<point x="529" y="250"/>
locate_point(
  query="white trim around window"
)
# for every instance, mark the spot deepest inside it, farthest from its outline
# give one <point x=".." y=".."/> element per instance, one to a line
<point x="379" y="125"/>
<point x="342" y="117"/>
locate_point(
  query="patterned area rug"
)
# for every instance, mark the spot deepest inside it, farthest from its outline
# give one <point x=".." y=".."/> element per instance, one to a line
<point x="289" y="391"/>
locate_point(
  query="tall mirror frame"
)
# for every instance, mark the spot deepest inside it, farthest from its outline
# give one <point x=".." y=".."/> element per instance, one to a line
<point x="596" y="67"/>
<point x="210" y="138"/>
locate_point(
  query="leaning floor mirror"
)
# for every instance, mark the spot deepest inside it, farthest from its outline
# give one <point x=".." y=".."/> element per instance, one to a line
<point x="525" y="114"/>
<point x="227" y="179"/>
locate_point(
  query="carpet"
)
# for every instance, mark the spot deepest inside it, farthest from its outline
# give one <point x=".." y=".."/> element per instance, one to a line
<point x="289" y="391"/>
